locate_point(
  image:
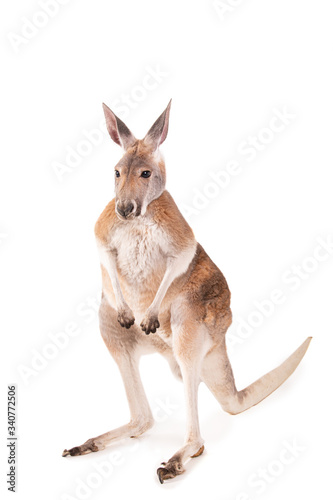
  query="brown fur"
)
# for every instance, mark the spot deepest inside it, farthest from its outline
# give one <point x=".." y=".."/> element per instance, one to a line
<point x="106" y="222"/>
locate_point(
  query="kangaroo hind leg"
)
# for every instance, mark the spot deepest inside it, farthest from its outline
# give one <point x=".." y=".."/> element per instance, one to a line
<point x="190" y="347"/>
<point x="124" y="349"/>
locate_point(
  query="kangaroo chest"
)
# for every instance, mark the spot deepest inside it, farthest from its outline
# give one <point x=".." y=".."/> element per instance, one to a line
<point x="140" y="252"/>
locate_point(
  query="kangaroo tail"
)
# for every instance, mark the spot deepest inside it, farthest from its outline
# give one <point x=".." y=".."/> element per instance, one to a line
<point x="268" y="383"/>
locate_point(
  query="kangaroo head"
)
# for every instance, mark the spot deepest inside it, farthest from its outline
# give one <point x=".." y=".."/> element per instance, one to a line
<point x="140" y="174"/>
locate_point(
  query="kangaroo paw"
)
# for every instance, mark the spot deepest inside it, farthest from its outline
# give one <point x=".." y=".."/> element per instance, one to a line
<point x="85" y="448"/>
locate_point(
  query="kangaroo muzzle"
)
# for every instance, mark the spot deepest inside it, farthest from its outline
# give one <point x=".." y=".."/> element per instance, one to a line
<point x="125" y="209"/>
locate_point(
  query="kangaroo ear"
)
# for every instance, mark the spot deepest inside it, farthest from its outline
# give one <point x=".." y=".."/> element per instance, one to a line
<point x="158" y="132"/>
<point x="117" y="129"/>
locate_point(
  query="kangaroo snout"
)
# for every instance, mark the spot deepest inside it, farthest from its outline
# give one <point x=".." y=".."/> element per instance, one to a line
<point x="126" y="209"/>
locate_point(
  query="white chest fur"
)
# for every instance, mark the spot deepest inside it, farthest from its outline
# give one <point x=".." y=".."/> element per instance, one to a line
<point x="141" y="249"/>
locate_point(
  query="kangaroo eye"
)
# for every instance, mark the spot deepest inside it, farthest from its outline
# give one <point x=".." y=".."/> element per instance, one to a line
<point x="145" y="174"/>
<point x="117" y="173"/>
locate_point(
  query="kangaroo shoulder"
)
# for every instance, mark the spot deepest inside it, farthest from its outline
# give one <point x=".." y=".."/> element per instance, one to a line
<point x="106" y="222"/>
<point x="167" y="215"/>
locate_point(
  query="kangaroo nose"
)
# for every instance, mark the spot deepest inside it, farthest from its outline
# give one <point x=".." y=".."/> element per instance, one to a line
<point x="125" y="210"/>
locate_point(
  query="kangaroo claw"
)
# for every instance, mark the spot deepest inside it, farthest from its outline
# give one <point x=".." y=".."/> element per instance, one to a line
<point x="169" y="471"/>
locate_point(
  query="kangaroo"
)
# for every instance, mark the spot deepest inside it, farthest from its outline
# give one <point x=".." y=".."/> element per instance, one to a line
<point x="154" y="272"/>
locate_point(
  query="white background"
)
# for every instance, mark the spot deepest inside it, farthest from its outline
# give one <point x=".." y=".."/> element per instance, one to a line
<point x="226" y="75"/>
